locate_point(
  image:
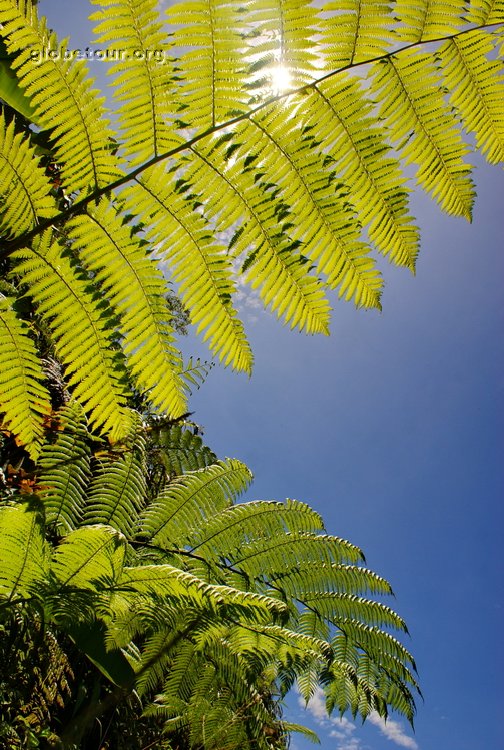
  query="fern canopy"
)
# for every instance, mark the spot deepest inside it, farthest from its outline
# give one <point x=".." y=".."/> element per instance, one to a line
<point x="263" y="145"/>
<point x="217" y="175"/>
<point x="165" y="588"/>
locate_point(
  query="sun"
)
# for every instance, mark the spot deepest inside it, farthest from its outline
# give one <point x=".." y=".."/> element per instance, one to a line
<point x="280" y="79"/>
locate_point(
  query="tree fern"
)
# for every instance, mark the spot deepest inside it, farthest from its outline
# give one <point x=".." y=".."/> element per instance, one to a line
<point x="227" y="176"/>
<point x="214" y="173"/>
<point x="250" y="588"/>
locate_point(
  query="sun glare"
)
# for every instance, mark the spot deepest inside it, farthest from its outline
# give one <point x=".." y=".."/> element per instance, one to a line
<point x="280" y="79"/>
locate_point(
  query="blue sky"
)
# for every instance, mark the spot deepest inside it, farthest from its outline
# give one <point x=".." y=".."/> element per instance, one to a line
<point x="392" y="429"/>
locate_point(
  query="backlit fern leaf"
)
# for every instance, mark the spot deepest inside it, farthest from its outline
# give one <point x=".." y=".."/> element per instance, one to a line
<point x="211" y="66"/>
<point x="428" y="19"/>
<point x="199" y="265"/>
<point x="281" y="35"/>
<point x="341" y="114"/>
<point x="411" y="103"/>
<point x="317" y="217"/>
<point x="79" y="328"/>
<point x="136" y="290"/>
<point x="485" y="11"/>
<point x="475" y="84"/>
<point x="61" y="95"/>
<point x="355" y="30"/>
<point x="143" y="75"/>
<point x="272" y="262"/>
<point x="24" y="188"/>
<point x="24" y="401"/>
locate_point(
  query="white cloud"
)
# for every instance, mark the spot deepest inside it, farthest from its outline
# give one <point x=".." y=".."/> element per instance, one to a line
<point x="343" y="731"/>
<point x="339" y="728"/>
<point x="393" y="731"/>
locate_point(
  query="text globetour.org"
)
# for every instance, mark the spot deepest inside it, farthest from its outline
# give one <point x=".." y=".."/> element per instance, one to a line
<point x="38" y="55"/>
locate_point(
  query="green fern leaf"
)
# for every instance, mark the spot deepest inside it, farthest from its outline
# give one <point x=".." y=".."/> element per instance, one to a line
<point x="80" y="331"/>
<point x="277" y="269"/>
<point x="428" y="19"/>
<point x="144" y="75"/>
<point x="355" y="30"/>
<point x="60" y="93"/>
<point x="117" y="491"/>
<point x="65" y="466"/>
<point x="181" y="451"/>
<point x="89" y="558"/>
<point x="226" y="533"/>
<point x="211" y="65"/>
<point x="485" y="11"/>
<point x="24" y="187"/>
<point x="24" y="400"/>
<point x="136" y="291"/>
<point x="24" y="551"/>
<point x="412" y="106"/>
<point x="189" y="499"/>
<point x="475" y="85"/>
<point x="199" y="266"/>
<point x="340" y="111"/>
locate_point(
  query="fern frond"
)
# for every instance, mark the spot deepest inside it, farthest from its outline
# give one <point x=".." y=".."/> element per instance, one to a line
<point x="354" y="636"/>
<point x="334" y="606"/>
<point x="273" y="262"/>
<point x="199" y="265"/>
<point x="428" y="19"/>
<point x="412" y="106"/>
<point x="144" y="75"/>
<point x="183" y="589"/>
<point x="61" y="95"/>
<point x="79" y="327"/>
<point x="485" y="11"/>
<point x="354" y="31"/>
<point x="190" y="499"/>
<point x="195" y="372"/>
<point x="211" y="66"/>
<point x="310" y="578"/>
<point x="319" y="217"/>
<point x="342" y="115"/>
<point x="181" y="451"/>
<point x="227" y="532"/>
<point x="24" y="401"/>
<point x="284" y="551"/>
<point x="65" y="465"/>
<point x="117" y="491"/>
<point x="24" y="551"/>
<point x="24" y="187"/>
<point x="91" y="557"/>
<point x="475" y="83"/>
<point x="136" y="290"/>
<point x="280" y="37"/>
